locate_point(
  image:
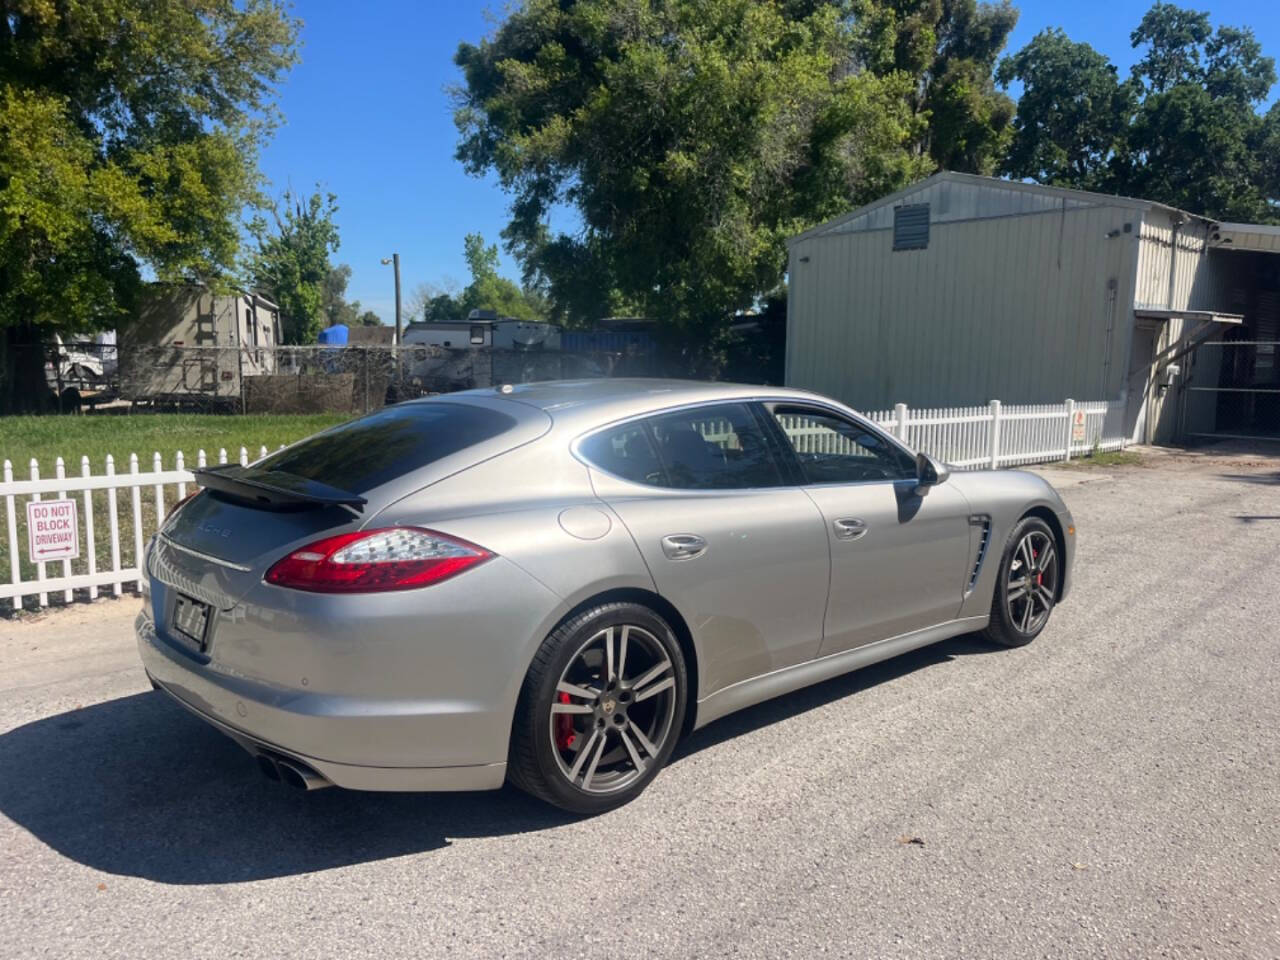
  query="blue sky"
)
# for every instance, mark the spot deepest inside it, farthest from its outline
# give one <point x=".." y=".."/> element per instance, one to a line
<point x="368" y="116"/>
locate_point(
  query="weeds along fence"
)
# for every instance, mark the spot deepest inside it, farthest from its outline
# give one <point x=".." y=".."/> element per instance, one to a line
<point x="121" y="506"/>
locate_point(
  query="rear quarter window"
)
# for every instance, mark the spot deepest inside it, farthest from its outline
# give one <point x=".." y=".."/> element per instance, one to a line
<point x="626" y="452"/>
<point x="709" y="447"/>
<point x="376" y="449"/>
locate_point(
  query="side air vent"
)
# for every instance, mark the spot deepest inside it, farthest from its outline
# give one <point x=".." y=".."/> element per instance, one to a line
<point x="984" y="523"/>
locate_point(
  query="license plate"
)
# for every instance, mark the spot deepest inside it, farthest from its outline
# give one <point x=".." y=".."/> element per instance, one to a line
<point x="191" y="621"/>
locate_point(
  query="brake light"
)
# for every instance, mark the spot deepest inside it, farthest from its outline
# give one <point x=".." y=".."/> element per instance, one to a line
<point x="369" y="561"/>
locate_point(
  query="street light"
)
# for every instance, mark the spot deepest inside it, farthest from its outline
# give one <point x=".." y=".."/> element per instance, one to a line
<point x="395" y="259"/>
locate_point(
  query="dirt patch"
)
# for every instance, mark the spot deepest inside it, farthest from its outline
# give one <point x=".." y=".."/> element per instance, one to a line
<point x="78" y="613"/>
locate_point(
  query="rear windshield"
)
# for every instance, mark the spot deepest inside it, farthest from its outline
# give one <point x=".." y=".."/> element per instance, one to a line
<point x="368" y="452"/>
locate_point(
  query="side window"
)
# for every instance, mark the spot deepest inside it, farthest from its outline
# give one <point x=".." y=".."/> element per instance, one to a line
<point x="714" y="447"/>
<point x="626" y="452"/>
<point x="703" y="448"/>
<point x="832" y="449"/>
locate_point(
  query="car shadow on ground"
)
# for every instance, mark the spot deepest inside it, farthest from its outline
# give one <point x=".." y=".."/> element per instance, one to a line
<point x="1265" y="479"/>
<point x="820" y="694"/>
<point x="137" y="786"/>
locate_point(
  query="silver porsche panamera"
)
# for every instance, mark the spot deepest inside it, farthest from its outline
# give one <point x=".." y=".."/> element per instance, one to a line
<point x="551" y="583"/>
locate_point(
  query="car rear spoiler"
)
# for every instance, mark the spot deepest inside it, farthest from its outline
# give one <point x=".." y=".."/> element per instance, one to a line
<point x="273" y="489"/>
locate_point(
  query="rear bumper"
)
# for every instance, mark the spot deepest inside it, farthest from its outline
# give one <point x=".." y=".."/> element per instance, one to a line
<point x="313" y="728"/>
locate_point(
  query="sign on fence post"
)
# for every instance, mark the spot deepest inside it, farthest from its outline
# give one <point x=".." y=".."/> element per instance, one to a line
<point x="1077" y="427"/>
<point x="52" y="530"/>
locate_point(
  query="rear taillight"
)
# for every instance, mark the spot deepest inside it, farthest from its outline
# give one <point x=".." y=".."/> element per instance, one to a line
<point x="368" y="561"/>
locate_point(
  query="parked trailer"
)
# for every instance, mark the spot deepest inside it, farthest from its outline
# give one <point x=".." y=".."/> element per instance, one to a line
<point x="192" y="346"/>
<point x="465" y="352"/>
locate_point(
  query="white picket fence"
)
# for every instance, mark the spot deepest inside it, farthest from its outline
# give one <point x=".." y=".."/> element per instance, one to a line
<point x="128" y="525"/>
<point x="968" y="438"/>
<point x="996" y="435"/>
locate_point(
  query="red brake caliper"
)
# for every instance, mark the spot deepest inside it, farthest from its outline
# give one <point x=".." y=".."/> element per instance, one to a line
<point x="564" y="727"/>
<point x="1039" y="576"/>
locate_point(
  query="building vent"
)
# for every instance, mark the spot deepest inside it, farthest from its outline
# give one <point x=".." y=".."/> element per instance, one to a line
<point x="911" y="227"/>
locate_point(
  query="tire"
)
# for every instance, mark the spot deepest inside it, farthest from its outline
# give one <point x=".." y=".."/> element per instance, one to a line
<point x="586" y="738"/>
<point x="70" y="401"/>
<point x="1021" y="610"/>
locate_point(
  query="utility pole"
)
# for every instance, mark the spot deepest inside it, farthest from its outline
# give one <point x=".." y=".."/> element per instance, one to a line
<point x="394" y="259"/>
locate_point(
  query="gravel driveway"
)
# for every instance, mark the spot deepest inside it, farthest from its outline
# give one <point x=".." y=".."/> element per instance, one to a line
<point x="1111" y="790"/>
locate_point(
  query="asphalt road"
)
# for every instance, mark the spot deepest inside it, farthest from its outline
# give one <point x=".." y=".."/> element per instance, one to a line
<point x="1111" y="790"/>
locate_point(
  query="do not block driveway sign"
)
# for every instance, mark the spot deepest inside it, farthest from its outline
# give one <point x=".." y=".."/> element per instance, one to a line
<point x="1077" y="427"/>
<point x="52" y="530"/>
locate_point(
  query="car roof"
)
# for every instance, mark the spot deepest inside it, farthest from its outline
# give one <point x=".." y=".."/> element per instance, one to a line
<point x="585" y="403"/>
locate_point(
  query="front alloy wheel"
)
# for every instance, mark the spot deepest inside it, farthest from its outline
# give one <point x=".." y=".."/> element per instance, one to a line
<point x="1033" y="582"/>
<point x="600" y="710"/>
<point x="1027" y="589"/>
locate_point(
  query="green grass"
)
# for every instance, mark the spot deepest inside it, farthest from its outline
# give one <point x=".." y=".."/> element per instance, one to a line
<point x="95" y="436"/>
<point x="1112" y="458"/>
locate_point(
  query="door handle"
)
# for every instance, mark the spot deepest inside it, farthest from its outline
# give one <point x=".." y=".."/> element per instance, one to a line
<point x="849" y="528"/>
<point x="683" y="546"/>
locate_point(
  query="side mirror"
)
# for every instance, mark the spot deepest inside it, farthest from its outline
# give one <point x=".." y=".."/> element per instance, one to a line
<point x="929" y="473"/>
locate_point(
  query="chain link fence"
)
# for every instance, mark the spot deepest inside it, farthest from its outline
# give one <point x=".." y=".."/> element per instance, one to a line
<point x="1233" y="390"/>
<point x="305" y="379"/>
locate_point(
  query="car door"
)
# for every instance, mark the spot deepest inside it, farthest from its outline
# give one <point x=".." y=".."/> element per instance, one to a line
<point x="741" y="555"/>
<point x="899" y="559"/>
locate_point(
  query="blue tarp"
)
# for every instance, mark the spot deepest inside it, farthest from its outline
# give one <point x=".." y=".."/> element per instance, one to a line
<point x="334" y="336"/>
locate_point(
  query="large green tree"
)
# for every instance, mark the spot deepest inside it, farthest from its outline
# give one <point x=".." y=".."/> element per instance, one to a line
<point x="290" y="262"/>
<point x="129" y="136"/>
<point x="1073" y="115"/>
<point x="689" y="137"/>
<point x="335" y="308"/>
<point x="1197" y="137"/>
<point x="949" y="48"/>
<point x="1184" y="128"/>
<point x="488" y="290"/>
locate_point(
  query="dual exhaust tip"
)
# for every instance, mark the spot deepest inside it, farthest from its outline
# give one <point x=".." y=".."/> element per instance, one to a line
<point x="292" y="773"/>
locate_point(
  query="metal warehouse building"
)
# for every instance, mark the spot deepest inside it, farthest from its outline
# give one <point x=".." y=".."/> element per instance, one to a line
<point x="961" y="289"/>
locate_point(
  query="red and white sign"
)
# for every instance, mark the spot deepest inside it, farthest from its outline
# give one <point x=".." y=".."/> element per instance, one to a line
<point x="52" y="531"/>
<point x="1077" y="427"/>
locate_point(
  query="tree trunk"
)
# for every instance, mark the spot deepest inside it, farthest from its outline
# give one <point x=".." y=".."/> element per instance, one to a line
<point x="23" y="387"/>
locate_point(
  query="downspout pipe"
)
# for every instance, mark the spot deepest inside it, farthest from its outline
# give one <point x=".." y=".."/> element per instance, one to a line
<point x="1178" y="221"/>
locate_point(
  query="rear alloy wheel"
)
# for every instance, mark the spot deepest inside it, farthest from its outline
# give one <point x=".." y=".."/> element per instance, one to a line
<point x="1027" y="589"/>
<point x="601" y="709"/>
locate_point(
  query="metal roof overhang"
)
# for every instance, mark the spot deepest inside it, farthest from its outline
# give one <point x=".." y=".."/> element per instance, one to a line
<point x="1196" y="316"/>
<point x="1204" y="324"/>
<point x="1245" y="236"/>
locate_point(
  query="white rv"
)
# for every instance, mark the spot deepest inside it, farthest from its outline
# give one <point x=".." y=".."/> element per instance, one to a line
<point x="190" y="345"/>
<point x="484" y="331"/>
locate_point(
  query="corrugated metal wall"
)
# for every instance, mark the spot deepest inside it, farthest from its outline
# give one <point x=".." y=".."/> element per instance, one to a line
<point x="951" y="201"/>
<point x="1025" y="307"/>
<point x="1197" y="283"/>
<point x="1203" y="278"/>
